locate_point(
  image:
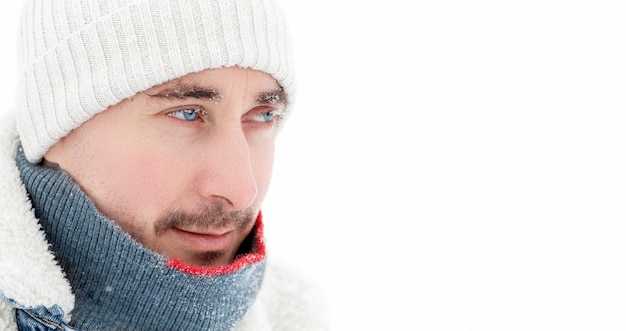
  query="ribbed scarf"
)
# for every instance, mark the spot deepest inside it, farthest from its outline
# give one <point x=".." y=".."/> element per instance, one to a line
<point x="119" y="284"/>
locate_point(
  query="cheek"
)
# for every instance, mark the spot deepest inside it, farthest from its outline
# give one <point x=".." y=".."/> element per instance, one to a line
<point x="125" y="175"/>
<point x="147" y="174"/>
<point x="134" y="173"/>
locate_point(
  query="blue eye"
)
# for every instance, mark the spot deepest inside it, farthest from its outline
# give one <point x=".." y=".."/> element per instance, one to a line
<point x="185" y="114"/>
<point x="267" y="116"/>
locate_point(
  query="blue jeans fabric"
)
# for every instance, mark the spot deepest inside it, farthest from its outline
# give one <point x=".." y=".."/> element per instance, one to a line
<point x="38" y="318"/>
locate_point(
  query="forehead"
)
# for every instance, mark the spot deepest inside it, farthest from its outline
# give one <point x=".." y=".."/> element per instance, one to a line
<point x="222" y="80"/>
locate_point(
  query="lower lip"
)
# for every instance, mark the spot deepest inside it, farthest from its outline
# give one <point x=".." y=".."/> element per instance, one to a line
<point x="205" y="242"/>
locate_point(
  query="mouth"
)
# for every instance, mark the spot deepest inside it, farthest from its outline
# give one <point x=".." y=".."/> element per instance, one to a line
<point x="206" y="241"/>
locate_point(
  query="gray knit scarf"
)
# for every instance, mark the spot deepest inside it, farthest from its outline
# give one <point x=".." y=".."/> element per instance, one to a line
<point x="119" y="284"/>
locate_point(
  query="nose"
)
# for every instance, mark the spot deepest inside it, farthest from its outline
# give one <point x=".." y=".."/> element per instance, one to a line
<point x="227" y="172"/>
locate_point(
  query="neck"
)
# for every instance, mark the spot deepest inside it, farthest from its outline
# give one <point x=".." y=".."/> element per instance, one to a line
<point x="121" y="285"/>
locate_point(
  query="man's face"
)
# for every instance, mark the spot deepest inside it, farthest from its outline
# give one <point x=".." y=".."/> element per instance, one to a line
<point x="182" y="167"/>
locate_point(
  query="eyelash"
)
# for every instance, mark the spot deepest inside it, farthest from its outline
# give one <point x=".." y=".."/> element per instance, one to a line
<point x="187" y="111"/>
<point x="277" y="115"/>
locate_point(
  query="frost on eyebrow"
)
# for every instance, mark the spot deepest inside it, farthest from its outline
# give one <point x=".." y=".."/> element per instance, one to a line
<point x="273" y="97"/>
<point x="189" y="91"/>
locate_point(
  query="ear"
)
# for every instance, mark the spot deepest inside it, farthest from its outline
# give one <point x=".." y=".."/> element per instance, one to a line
<point x="56" y="154"/>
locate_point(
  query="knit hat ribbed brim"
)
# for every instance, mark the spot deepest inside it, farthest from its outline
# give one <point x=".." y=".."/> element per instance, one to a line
<point x="80" y="57"/>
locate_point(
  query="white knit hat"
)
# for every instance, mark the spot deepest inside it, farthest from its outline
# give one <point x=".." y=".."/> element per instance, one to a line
<point x="78" y="57"/>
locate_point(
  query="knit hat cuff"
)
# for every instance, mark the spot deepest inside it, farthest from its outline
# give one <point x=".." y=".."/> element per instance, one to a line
<point x="82" y="61"/>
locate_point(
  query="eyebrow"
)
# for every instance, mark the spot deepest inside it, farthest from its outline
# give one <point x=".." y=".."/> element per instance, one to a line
<point x="275" y="97"/>
<point x="183" y="91"/>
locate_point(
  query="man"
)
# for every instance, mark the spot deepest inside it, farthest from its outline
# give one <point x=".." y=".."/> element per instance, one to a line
<point x="135" y="168"/>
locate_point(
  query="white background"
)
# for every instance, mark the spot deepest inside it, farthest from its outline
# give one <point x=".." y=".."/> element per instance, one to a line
<point x="451" y="165"/>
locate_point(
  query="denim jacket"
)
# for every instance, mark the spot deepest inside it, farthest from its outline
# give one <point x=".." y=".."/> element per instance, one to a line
<point x="38" y="318"/>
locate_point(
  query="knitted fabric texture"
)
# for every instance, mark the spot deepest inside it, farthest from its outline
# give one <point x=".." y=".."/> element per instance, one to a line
<point x="118" y="283"/>
<point x="81" y="56"/>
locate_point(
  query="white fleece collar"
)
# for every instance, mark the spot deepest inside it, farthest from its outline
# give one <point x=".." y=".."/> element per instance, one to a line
<point x="28" y="272"/>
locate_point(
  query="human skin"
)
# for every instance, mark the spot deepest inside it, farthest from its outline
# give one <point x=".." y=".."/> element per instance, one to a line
<point x="184" y="166"/>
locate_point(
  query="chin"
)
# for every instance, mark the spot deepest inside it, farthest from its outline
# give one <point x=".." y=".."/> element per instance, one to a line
<point x="210" y="259"/>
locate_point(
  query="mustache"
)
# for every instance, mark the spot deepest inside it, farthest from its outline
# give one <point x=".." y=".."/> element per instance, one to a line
<point x="210" y="217"/>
